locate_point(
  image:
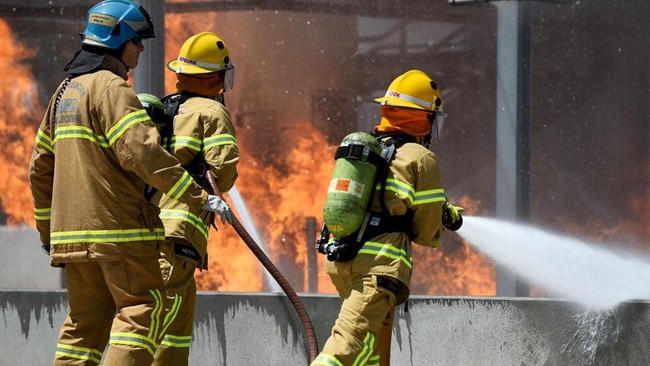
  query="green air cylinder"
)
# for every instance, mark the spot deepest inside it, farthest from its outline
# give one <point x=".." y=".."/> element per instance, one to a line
<point x="351" y="184"/>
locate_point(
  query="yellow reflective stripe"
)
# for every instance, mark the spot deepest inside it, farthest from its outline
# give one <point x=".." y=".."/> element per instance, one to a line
<point x="171" y="315"/>
<point x="181" y="186"/>
<point x="366" y="351"/>
<point x="79" y="132"/>
<point x="154" y="328"/>
<point x="430" y="196"/>
<point x="386" y="250"/>
<point x="107" y="236"/>
<point x="189" y="217"/>
<point x="133" y="339"/>
<point x="79" y="353"/>
<point x="44" y="140"/>
<point x="43" y="214"/>
<point x="407" y="191"/>
<point x="374" y="360"/>
<point x="400" y="188"/>
<point x="189" y="142"/>
<point x="324" y="359"/>
<point x="219" y="140"/>
<point x="127" y="121"/>
<point x="177" y="341"/>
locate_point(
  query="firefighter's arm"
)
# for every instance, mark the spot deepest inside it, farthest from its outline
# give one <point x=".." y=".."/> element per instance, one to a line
<point x="220" y="149"/>
<point x="428" y="201"/>
<point x="139" y="151"/>
<point x="136" y="144"/>
<point x="41" y="177"/>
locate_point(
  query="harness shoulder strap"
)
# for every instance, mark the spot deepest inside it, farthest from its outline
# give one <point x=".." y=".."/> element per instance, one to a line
<point x="389" y="144"/>
<point x="171" y="103"/>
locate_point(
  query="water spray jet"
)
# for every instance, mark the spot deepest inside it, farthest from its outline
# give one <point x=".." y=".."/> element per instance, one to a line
<point x="582" y="272"/>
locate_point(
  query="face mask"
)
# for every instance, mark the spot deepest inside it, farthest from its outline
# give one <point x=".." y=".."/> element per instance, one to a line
<point x="414" y="122"/>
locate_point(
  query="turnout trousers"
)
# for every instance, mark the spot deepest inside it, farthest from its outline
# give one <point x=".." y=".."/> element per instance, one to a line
<point x="116" y="302"/>
<point x="355" y="336"/>
<point x="178" y="274"/>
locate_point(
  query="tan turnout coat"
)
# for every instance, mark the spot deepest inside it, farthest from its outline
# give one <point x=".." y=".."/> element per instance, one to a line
<point x="88" y="174"/>
<point x="202" y="127"/>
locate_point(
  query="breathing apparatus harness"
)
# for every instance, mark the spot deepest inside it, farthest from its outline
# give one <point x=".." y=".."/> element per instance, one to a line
<point x="374" y="223"/>
<point x="165" y="119"/>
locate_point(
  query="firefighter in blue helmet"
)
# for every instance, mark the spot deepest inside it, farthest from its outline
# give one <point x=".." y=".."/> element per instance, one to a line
<point x="371" y="268"/>
<point x="95" y="149"/>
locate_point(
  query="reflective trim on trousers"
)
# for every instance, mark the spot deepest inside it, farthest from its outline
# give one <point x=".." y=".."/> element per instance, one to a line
<point x="134" y="339"/>
<point x="326" y="360"/>
<point x="78" y="353"/>
<point x="177" y="341"/>
<point x="367" y="351"/>
<point x="169" y="319"/>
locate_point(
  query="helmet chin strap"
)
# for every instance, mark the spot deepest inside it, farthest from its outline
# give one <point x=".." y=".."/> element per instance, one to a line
<point x="424" y="140"/>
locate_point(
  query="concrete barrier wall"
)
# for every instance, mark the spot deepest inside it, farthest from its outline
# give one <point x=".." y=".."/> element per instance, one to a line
<point x="240" y="329"/>
<point x="24" y="265"/>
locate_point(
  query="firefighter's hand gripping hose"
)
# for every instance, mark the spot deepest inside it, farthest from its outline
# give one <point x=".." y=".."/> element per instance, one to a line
<point x="273" y="270"/>
<point x="218" y="205"/>
<point x="451" y="216"/>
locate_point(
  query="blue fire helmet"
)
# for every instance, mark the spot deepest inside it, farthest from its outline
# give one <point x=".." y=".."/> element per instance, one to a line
<point x="112" y="23"/>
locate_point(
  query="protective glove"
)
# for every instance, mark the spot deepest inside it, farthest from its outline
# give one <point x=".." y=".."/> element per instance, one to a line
<point x="216" y="204"/>
<point x="451" y="217"/>
<point x="46" y="247"/>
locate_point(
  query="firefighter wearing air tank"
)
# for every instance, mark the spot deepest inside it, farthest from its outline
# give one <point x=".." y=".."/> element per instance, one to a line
<point x="386" y="193"/>
<point x="203" y="138"/>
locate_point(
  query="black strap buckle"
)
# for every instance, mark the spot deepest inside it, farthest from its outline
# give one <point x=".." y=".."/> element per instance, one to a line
<point x="387" y="284"/>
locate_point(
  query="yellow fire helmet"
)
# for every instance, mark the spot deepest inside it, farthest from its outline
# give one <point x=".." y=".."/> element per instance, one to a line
<point x="204" y="53"/>
<point x="413" y="89"/>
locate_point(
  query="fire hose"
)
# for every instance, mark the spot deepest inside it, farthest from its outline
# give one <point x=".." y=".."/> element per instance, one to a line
<point x="312" y="341"/>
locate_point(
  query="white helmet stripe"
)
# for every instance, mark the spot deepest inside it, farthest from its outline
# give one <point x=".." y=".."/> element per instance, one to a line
<point x="409" y="98"/>
<point x="205" y="65"/>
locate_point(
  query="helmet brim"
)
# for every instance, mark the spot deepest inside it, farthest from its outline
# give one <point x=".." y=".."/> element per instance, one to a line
<point x="394" y="102"/>
<point x="188" y="69"/>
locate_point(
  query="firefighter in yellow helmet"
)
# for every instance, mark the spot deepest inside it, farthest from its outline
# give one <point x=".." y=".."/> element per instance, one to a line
<point x="409" y="209"/>
<point x="95" y="149"/>
<point x="203" y="139"/>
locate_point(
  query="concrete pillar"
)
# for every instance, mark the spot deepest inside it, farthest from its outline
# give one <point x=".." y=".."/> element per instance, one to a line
<point x="513" y="125"/>
<point x="148" y="77"/>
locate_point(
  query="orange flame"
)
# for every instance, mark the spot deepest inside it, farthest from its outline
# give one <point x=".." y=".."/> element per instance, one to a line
<point x="279" y="203"/>
<point x="20" y="106"/>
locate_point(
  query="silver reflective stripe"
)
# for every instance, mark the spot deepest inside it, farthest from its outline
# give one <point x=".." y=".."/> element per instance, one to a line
<point x="409" y="98"/>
